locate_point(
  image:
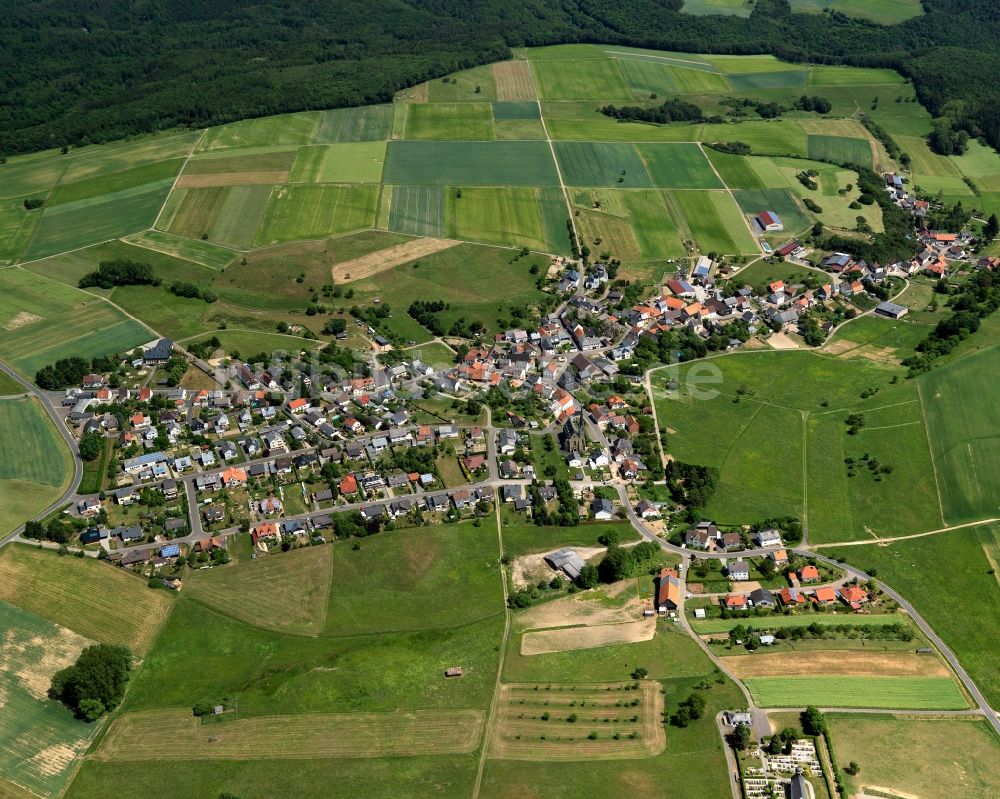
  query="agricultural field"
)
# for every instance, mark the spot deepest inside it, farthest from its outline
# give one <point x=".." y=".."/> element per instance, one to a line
<point x="954" y="757"/>
<point x="35" y="464"/>
<point x="297" y="584"/>
<point x="42" y="320"/>
<point x="166" y="735"/>
<point x="894" y="693"/>
<point x="964" y="436"/>
<point x="40" y="740"/>
<point x="716" y="626"/>
<point x="942" y="574"/>
<point x="84" y="596"/>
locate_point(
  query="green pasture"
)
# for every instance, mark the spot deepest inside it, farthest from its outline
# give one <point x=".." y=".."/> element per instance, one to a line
<point x="101" y="159"/>
<point x="525" y="538"/>
<point x="964" y="435"/>
<point x="284" y="130"/>
<point x="738" y="8"/>
<point x="884" y="12"/>
<point x="20" y="178"/>
<point x="249" y="342"/>
<point x="634" y="225"/>
<point x="32" y="724"/>
<point x="945" y="575"/>
<point x="777" y="622"/>
<point x="898" y="693"/>
<point x="753" y="81"/>
<point x="509" y="111"/>
<point x="714" y="221"/>
<point x="647" y="77"/>
<point x="736" y="170"/>
<point x="449" y="121"/>
<point x="508" y="216"/>
<point x="273" y="673"/>
<point x="89" y="221"/>
<point x="367" y="123"/>
<point x="35" y="464"/>
<point x="499" y="163"/>
<point x="416" y="579"/>
<point x="853" y="76"/>
<point x="100" y="186"/>
<point x="839" y="149"/>
<point x="444" y="776"/>
<point x="765" y="137"/>
<point x="462" y="86"/>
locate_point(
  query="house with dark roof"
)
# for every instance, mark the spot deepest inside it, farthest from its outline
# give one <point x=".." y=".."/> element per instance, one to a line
<point x="159" y="353"/>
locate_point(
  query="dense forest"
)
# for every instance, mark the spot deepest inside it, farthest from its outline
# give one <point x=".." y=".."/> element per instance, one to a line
<point x="78" y="71"/>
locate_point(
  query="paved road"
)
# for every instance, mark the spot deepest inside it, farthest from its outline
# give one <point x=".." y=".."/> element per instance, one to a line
<point x="60" y="424"/>
<point x="926" y="629"/>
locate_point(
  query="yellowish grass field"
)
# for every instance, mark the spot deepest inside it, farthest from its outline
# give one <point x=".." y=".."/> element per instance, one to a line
<point x="283" y="591"/>
<point x="93" y="599"/>
<point x="570" y="638"/>
<point x="533" y="722"/>
<point x="851" y="663"/>
<point x="177" y="735"/>
<point x="513" y="79"/>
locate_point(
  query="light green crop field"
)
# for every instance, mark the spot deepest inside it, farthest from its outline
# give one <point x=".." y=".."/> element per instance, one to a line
<point x="853" y="76"/>
<point x="89" y="221"/>
<point x="752" y="81"/>
<point x="228" y="215"/>
<point x="646" y="77"/>
<point x="715" y="626"/>
<point x="315" y="211"/>
<point x="739" y="8"/>
<point x="290" y="129"/>
<point x="884" y="12"/>
<point x="359" y="162"/>
<point x="500" y="163"/>
<point x="35" y="463"/>
<point x="118" y="156"/>
<point x="964" y="435"/>
<point x="240" y="161"/>
<point x="511" y="217"/>
<point x="678" y="166"/>
<point x="954" y="757"/>
<point x="42" y="320"/>
<point x="736" y="170"/>
<point x="16" y="228"/>
<point x="250" y="342"/>
<point x="599" y="164"/>
<point x="32" y="724"/>
<point x="462" y="86"/>
<point x="897" y="693"/>
<point x="113" y="182"/>
<point x="585" y="79"/>
<point x="781" y="201"/>
<point x="839" y="149"/>
<point x="20" y="178"/>
<point x="766" y="137"/>
<point x="943" y="575"/>
<point x="714" y="220"/>
<point x="632" y="225"/>
<point x="449" y="121"/>
<point x="213" y="256"/>
<point x="367" y="123"/>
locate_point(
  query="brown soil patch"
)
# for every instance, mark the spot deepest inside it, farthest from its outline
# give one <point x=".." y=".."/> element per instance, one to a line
<point x="579" y="609"/>
<point x="415" y="94"/>
<point x="33" y="659"/>
<point x="177" y="735"/>
<point x="54" y="760"/>
<point x="529" y="569"/>
<point x="571" y="638"/>
<point x="22" y="319"/>
<point x="876" y="354"/>
<point x="745" y="586"/>
<point x="848" y="663"/>
<point x="514" y="81"/>
<point x="382" y="260"/>
<point x="838" y="347"/>
<point x="781" y="341"/>
<point x="231" y="179"/>
<point x="520" y="732"/>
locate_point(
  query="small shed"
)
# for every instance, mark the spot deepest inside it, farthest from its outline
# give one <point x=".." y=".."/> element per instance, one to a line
<point x="454" y="671"/>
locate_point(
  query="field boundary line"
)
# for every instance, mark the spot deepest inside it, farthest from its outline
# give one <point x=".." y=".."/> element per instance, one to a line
<point x="491" y="717"/>
<point x="866" y="542"/>
<point x="729" y="191"/>
<point x="930" y="450"/>
<point x="562" y="184"/>
<point x="177" y="177"/>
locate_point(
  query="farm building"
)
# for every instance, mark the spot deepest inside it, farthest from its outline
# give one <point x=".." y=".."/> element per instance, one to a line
<point x="891" y="309"/>
<point x="770" y="222"/>
<point x="668" y="591"/>
<point x="566" y="561"/>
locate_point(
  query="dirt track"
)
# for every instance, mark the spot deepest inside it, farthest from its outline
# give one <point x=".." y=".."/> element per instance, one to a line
<point x="382" y="260"/>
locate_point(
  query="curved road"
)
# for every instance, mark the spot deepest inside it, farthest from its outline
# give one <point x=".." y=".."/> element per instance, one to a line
<point x="67" y="437"/>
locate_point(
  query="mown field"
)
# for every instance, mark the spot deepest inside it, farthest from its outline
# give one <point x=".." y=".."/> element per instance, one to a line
<point x="897" y="693"/>
<point x="944" y="757"/>
<point x="84" y="596"/>
<point x="40" y="740"/>
<point x="35" y="463"/>
<point x="943" y="575"/>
